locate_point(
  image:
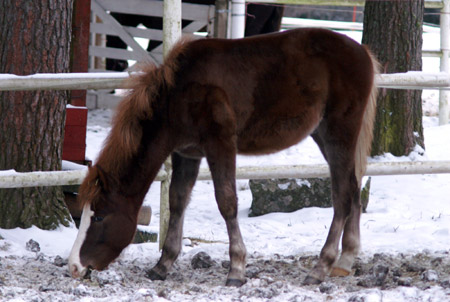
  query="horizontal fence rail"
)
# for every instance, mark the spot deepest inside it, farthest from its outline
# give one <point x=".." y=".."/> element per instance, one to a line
<point x="428" y="3"/>
<point x="64" y="81"/>
<point x="112" y="80"/>
<point x="75" y="177"/>
<point x="414" y="80"/>
<point x="289" y="22"/>
<point x="10" y="180"/>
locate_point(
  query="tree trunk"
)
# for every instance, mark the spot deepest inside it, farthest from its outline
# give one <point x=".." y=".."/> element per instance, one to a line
<point x="34" y="38"/>
<point x="393" y="31"/>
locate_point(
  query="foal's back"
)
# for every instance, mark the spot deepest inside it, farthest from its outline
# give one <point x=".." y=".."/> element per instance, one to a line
<point x="273" y="90"/>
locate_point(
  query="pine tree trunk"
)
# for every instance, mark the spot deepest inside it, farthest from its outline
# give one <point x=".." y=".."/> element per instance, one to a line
<point x="393" y="31"/>
<point x="35" y="38"/>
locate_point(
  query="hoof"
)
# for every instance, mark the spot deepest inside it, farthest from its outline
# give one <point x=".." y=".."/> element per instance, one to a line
<point x="339" y="272"/>
<point x="154" y="276"/>
<point x="88" y="273"/>
<point x="310" y="280"/>
<point x="234" y="282"/>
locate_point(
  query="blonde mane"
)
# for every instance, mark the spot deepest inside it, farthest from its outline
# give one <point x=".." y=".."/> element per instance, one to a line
<point x="125" y="137"/>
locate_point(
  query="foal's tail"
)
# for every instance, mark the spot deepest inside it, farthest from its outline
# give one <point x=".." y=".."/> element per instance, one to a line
<point x="365" y="137"/>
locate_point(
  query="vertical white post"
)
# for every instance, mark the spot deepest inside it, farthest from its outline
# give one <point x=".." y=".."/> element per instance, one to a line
<point x="171" y="34"/>
<point x="171" y="24"/>
<point x="164" y="209"/>
<point x="445" y="61"/>
<point x="237" y="19"/>
<point x="222" y="20"/>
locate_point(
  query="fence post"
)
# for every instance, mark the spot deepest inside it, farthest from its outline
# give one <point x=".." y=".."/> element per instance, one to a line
<point x="221" y="19"/>
<point x="237" y="19"/>
<point x="171" y="24"/>
<point x="164" y="210"/>
<point x="171" y="34"/>
<point x="445" y="64"/>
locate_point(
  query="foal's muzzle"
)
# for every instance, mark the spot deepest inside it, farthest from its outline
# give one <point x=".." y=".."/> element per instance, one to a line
<point x="77" y="271"/>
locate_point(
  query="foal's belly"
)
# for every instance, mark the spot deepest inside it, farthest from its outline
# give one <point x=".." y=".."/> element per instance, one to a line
<point x="269" y="136"/>
<point x="193" y="152"/>
<point x="280" y="122"/>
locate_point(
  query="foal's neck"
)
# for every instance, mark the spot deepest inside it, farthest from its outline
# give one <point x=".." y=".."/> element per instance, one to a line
<point x="133" y="176"/>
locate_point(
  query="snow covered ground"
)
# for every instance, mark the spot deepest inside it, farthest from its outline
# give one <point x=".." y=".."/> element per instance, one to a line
<point x="406" y="216"/>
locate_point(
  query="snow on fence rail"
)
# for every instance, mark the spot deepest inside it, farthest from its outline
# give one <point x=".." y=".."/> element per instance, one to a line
<point x="111" y="80"/>
<point x="11" y="179"/>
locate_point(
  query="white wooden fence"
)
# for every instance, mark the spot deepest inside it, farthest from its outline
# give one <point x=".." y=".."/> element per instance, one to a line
<point x="410" y="80"/>
<point x="11" y="179"/>
<point x="104" y="24"/>
<point x="110" y="80"/>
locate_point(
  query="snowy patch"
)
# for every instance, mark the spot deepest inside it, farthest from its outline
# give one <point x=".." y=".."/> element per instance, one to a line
<point x="284" y="186"/>
<point x="303" y="182"/>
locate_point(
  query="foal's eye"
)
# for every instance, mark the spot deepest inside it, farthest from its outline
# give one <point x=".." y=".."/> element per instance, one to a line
<point x="97" y="218"/>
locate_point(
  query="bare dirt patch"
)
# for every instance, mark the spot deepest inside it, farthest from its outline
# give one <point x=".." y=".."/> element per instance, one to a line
<point x="42" y="278"/>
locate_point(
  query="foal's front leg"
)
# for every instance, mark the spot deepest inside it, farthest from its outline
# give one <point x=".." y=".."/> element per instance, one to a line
<point x="222" y="163"/>
<point x="185" y="171"/>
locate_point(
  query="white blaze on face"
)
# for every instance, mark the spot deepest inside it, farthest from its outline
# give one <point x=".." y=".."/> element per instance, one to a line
<point x="77" y="270"/>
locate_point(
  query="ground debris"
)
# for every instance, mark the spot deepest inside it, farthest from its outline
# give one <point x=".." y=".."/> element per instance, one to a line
<point x="33" y="246"/>
<point x="268" y="279"/>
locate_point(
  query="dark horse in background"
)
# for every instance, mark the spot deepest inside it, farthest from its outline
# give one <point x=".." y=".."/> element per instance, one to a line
<point x="216" y="98"/>
<point x="261" y="19"/>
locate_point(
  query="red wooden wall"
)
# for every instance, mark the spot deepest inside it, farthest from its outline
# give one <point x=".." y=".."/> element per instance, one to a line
<point x="74" y="147"/>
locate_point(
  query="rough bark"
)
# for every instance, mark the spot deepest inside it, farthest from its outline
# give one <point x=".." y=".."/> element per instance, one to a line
<point x="393" y="31"/>
<point x="34" y="38"/>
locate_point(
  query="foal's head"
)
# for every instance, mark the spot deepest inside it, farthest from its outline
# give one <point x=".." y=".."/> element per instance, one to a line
<point x="107" y="226"/>
<point x="111" y="205"/>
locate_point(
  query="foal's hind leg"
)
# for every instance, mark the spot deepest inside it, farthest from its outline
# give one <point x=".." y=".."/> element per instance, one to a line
<point x="185" y="171"/>
<point x="345" y="194"/>
<point x="350" y="241"/>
